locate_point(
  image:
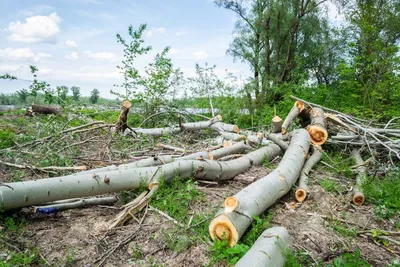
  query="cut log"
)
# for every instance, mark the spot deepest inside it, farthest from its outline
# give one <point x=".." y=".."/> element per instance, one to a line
<point x="302" y="191"/>
<point x="28" y="193"/>
<point x="42" y="109"/>
<point x="317" y="128"/>
<point x="269" y="250"/>
<point x="276" y="124"/>
<point x="294" y="112"/>
<point x="234" y="148"/>
<point x="73" y="204"/>
<point x="121" y="125"/>
<point x="257" y="197"/>
<point x="358" y="196"/>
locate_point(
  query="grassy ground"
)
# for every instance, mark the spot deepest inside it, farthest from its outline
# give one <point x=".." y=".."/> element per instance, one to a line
<point x="327" y="230"/>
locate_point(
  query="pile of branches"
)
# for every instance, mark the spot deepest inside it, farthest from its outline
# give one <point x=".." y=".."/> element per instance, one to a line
<point x="223" y="159"/>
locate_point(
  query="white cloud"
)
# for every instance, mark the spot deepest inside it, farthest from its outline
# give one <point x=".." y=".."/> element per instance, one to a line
<point x="70" y="43"/>
<point x="36" y="29"/>
<point x="152" y="31"/>
<point x="72" y="56"/>
<point x="200" y="55"/>
<point x="180" y="33"/>
<point x="9" y="68"/>
<point x="174" y="51"/>
<point x="21" y="54"/>
<point x="36" y="9"/>
<point x="101" y="56"/>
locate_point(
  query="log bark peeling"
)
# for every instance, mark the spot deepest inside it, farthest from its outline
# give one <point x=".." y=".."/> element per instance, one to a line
<point x="268" y="250"/>
<point x="235" y="217"/>
<point x="302" y="190"/>
<point x="28" y="193"/>
<point x="317" y="128"/>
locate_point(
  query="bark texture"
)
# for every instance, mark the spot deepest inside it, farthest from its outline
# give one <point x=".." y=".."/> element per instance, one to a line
<point x="268" y="250"/>
<point x="294" y="112"/>
<point x="317" y="128"/>
<point x="358" y="196"/>
<point x="22" y="194"/>
<point x="121" y="125"/>
<point x="233" y="220"/>
<point x="43" y="109"/>
<point x="302" y="190"/>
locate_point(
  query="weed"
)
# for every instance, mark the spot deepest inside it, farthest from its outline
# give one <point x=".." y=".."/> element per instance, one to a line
<point x="349" y="260"/>
<point x="297" y="258"/>
<point x="338" y="227"/>
<point x="384" y="193"/>
<point x="329" y="185"/>
<point x="256" y="229"/>
<point x="7" y="138"/>
<point x="221" y="251"/>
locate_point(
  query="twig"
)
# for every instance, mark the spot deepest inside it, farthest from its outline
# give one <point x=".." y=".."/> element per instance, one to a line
<point x="45" y="169"/>
<point x="10" y="245"/>
<point x="167" y="217"/>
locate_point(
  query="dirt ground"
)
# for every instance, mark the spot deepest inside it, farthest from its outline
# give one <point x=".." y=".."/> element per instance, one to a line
<point x="77" y="237"/>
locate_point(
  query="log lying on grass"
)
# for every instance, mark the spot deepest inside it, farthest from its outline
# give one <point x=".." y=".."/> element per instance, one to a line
<point x="214" y="123"/>
<point x="358" y="196"/>
<point x="121" y="125"/>
<point x="302" y="190"/>
<point x="232" y="221"/>
<point x="317" y="128"/>
<point x="22" y="194"/>
<point x="268" y="250"/>
<point x="294" y="112"/>
<point x="42" y="109"/>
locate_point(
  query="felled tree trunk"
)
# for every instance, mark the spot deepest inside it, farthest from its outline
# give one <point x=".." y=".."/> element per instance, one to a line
<point x="22" y="194"/>
<point x="268" y="250"/>
<point x="358" y="196"/>
<point x="294" y="112"/>
<point x="278" y="139"/>
<point x="301" y="192"/>
<point x="121" y="125"/>
<point x="317" y="128"/>
<point x="232" y="221"/>
<point x="42" y="109"/>
<point x="232" y="149"/>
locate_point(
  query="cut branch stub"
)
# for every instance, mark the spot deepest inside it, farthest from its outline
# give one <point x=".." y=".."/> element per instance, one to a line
<point x="358" y="196"/>
<point x="317" y="128"/>
<point x="258" y="196"/>
<point x="276" y="124"/>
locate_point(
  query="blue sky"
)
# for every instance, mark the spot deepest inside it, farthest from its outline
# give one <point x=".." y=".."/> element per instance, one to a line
<point x="72" y="42"/>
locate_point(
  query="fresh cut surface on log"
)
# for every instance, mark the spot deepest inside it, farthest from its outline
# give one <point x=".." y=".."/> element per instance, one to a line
<point x="233" y="220"/>
<point x="22" y="194"/>
<point x="268" y="250"/>
<point x="294" y="112"/>
<point x="317" y="128"/>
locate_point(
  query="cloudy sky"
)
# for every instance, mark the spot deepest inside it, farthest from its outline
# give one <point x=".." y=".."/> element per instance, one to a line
<point x="73" y="42"/>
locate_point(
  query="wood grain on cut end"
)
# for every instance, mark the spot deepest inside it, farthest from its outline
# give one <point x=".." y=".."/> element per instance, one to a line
<point x="318" y="134"/>
<point x="236" y="129"/>
<point x="222" y="228"/>
<point x="218" y="117"/>
<point x="358" y="199"/>
<point x="300" y="105"/>
<point x="301" y="194"/>
<point x="230" y="204"/>
<point x="126" y="104"/>
<point x="228" y="143"/>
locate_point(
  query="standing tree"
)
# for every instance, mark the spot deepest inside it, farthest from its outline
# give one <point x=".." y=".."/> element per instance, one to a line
<point x="132" y="49"/>
<point x="43" y="86"/>
<point x="76" y="93"/>
<point x="206" y="83"/>
<point x="94" y="96"/>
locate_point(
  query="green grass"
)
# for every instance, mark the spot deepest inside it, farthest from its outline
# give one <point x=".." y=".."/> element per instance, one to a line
<point x="7" y="138"/>
<point x="384" y="193"/>
<point x="329" y="185"/>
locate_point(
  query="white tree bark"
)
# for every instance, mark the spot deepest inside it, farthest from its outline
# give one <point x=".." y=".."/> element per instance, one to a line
<point x="269" y="249"/>
<point x="302" y="190"/>
<point x="358" y="195"/>
<point x="294" y="112"/>
<point x="232" y="221"/>
<point x="22" y="194"/>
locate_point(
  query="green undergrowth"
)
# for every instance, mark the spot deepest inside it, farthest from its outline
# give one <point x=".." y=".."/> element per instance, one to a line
<point x="222" y="252"/>
<point x="384" y="193"/>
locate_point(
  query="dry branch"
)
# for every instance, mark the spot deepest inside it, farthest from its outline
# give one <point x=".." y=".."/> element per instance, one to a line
<point x="236" y="216"/>
<point x="268" y="250"/>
